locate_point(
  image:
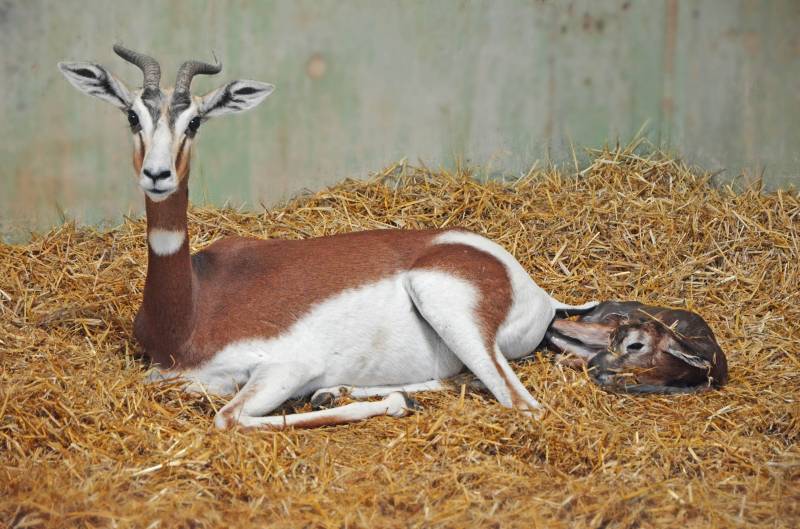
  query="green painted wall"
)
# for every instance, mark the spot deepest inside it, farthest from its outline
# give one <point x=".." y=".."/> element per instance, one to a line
<point x="363" y="83"/>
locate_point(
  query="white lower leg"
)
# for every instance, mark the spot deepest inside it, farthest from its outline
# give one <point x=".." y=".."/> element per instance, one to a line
<point x="363" y="392"/>
<point x="394" y="405"/>
<point x="518" y="390"/>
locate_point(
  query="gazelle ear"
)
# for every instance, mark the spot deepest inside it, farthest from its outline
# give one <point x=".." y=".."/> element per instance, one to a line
<point x="590" y="334"/>
<point x="675" y="349"/>
<point x="94" y="80"/>
<point x="236" y="96"/>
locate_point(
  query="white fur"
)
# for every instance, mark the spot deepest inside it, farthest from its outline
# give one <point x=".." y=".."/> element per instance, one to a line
<point x="183" y="120"/>
<point x="165" y="242"/>
<point x="387" y="344"/>
<point x="394" y="405"/>
<point x="145" y="119"/>
<point x="157" y="159"/>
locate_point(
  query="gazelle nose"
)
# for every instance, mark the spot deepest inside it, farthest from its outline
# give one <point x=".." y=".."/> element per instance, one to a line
<point x="155" y="177"/>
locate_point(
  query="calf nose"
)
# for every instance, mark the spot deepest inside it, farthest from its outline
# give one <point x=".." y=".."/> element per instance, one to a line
<point x="596" y="370"/>
<point x="156" y="176"/>
<point x="593" y="363"/>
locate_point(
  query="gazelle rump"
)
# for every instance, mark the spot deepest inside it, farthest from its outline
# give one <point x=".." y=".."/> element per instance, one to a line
<point x="267" y="320"/>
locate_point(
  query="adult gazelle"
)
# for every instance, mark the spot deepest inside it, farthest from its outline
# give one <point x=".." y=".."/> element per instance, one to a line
<point x="393" y="310"/>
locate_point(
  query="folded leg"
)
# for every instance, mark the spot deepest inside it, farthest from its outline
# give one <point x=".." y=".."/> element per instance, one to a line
<point x="326" y="396"/>
<point x="451" y="306"/>
<point x="394" y="405"/>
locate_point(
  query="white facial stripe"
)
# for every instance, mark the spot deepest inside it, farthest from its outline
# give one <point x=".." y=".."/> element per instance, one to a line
<point x="165" y="242"/>
<point x="159" y="157"/>
<point x="145" y="120"/>
<point x="183" y="120"/>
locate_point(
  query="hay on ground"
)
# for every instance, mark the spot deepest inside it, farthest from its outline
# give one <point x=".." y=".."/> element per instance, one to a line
<point x="84" y="443"/>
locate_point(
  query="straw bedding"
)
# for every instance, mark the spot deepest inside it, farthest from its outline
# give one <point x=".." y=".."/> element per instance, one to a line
<point x="84" y="443"/>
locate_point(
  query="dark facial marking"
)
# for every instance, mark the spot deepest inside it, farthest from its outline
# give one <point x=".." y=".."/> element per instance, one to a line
<point x="83" y="72"/>
<point x="133" y="121"/>
<point x="180" y="102"/>
<point x="194" y="124"/>
<point x="153" y="105"/>
<point x="229" y="99"/>
<point x="247" y="90"/>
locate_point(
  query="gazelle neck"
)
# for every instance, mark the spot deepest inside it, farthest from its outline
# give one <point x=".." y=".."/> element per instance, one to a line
<point x="168" y="310"/>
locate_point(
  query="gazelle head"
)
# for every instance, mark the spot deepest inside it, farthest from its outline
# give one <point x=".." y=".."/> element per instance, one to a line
<point x="638" y="348"/>
<point x="163" y="122"/>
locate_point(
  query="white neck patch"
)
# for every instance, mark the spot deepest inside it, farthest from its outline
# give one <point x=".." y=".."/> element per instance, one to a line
<point x="165" y="242"/>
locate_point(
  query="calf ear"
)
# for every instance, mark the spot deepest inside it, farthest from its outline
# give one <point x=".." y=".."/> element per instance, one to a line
<point x="590" y="334"/>
<point x="236" y="96"/>
<point x="94" y="80"/>
<point x="686" y="356"/>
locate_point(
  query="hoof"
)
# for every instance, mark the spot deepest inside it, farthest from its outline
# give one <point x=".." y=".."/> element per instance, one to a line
<point x="324" y="400"/>
<point x="411" y="404"/>
<point x="400" y="404"/>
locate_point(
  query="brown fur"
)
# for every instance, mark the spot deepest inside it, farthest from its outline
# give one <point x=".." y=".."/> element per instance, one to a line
<point x="138" y="155"/>
<point x="240" y="286"/>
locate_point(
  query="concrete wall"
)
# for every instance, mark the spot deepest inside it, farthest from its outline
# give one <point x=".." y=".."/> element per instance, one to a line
<point x="362" y="83"/>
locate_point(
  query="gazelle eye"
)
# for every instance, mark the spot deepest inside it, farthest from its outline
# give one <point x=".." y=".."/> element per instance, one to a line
<point x="133" y="119"/>
<point x="194" y="124"/>
<point x="635" y="346"/>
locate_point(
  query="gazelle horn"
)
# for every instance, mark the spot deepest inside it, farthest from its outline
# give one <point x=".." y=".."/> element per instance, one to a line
<point x="148" y="65"/>
<point x="191" y="68"/>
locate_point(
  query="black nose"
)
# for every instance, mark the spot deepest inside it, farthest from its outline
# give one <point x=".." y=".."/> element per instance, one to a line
<point x="155" y="177"/>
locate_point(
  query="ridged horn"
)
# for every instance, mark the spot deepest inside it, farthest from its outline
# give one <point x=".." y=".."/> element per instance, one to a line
<point x="148" y="65"/>
<point x="189" y="69"/>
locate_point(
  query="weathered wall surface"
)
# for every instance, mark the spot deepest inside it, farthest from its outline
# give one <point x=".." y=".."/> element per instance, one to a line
<point x="363" y="83"/>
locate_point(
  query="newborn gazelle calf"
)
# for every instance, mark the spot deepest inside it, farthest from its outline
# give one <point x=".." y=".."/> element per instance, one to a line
<point x="636" y="348"/>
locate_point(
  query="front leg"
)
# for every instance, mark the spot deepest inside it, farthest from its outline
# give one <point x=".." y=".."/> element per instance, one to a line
<point x="394" y="405"/>
<point x="269" y="386"/>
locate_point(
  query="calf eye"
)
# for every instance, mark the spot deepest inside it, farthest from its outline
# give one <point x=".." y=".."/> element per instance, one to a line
<point x="194" y="124"/>
<point x="133" y="119"/>
<point x="635" y="346"/>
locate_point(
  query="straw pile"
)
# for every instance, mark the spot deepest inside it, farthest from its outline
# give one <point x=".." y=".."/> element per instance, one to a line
<point x="84" y="443"/>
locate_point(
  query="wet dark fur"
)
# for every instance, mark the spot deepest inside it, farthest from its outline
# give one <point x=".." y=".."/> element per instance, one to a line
<point x="599" y="332"/>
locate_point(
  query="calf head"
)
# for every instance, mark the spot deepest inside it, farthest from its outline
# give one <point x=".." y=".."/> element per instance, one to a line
<point x="640" y="348"/>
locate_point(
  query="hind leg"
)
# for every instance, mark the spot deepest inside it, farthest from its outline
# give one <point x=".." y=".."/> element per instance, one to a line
<point x="327" y="396"/>
<point x="453" y="306"/>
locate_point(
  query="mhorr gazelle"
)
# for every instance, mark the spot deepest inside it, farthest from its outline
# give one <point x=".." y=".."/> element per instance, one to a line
<point x="386" y="311"/>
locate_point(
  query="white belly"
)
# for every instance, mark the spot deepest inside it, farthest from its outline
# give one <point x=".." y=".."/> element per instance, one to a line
<point x="367" y="336"/>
